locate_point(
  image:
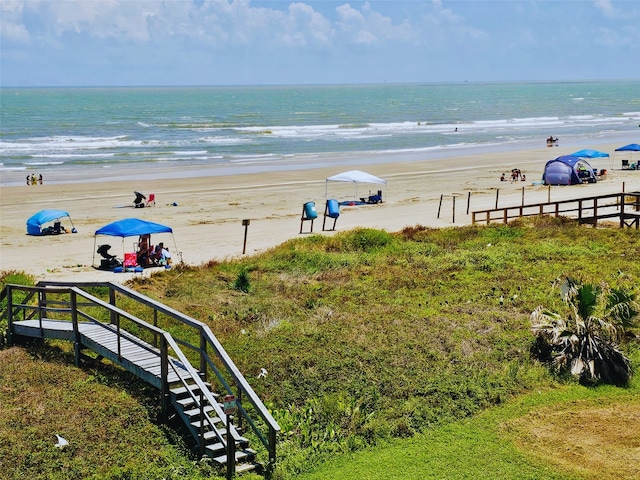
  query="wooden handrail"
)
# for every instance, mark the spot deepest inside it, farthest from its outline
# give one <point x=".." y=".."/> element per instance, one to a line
<point x="207" y="339"/>
<point x="578" y="206"/>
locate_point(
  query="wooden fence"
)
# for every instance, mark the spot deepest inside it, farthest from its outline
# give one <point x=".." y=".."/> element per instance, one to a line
<point x="625" y="207"/>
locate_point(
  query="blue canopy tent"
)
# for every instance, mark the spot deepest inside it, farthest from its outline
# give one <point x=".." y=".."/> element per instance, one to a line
<point x="35" y="222"/>
<point x="588" y="153"/>
<point x="568" y="170"/>
<point x="131" y="227"/>
<point x="632" y="147"/>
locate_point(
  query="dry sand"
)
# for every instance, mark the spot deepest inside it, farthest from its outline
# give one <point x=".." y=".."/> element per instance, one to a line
<point x="207" y="220"/>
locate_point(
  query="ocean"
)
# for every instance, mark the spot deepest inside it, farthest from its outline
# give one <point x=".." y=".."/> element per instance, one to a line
<point x="92" y="134"/>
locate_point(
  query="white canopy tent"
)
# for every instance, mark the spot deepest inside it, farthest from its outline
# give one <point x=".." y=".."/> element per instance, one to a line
<point x="355" y="177"/>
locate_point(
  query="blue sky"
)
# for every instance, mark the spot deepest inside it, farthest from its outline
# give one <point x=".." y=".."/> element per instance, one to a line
<point x="219" y="42"/>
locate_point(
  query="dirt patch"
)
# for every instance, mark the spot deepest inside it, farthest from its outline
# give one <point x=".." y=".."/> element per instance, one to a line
<point x="593" y="441"/>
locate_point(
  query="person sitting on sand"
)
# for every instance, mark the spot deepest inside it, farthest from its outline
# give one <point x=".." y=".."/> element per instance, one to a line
<point x="155" y="256"/>
<point x="503" y="177"/>
<point x="165" y="256"/>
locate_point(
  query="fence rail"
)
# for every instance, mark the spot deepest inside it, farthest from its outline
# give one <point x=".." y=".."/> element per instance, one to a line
<point x="625" y="207"/>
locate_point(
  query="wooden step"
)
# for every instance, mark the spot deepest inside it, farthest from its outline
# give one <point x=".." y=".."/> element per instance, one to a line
<point x="188" y="401"/>
<point x="181" y="390"/>
<point x="246" y="467"/>
<point x="196" y="424"/>
<point x="195" y="412"/>
<point x="211" y="436"/>
<point x="241" y="455"/>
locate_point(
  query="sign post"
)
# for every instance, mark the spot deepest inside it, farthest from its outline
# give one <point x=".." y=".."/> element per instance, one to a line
<point x="245" y="223"/>
<point x="230" y="410"/>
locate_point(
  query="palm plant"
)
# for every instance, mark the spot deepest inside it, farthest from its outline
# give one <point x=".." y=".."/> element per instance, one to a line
<point x="585" y="341"/>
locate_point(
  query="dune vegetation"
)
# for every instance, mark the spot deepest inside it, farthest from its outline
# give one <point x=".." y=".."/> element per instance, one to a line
<point x="387" y="355"/>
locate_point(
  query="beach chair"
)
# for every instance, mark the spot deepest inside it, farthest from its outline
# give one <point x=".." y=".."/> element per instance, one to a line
<point x="331" y="210"/>
<point x="625" y="164"/>
<point x="151" y="200"/>
<point x="308" y="213"/>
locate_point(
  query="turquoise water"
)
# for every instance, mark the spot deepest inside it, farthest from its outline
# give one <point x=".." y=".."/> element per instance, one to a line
<point x="69" y="132"/>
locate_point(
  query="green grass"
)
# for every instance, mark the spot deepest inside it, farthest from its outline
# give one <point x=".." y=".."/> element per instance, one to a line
<point x="387" y="341"/>
<point x="481" y="447"/>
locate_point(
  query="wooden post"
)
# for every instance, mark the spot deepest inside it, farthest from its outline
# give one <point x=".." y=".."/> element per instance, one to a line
<point x="203" y="356"/>
<point x="579" y="211"/>
<point x="112" y="301"/>
<point x="497" y="194"/>
<point x="231" y="457"/>
<point x="239" y="417"/>
<point x="468" y="201"/>
<point x="549" y="194"/>
<point x="9" y="316"/>
<point x="454" y="210"/>
<point x="246" y="223"/>
<point x="164" y="374"/>
<point x="272" y="447"/>
<point x="76" y="329"/>
<point x="523" y="196"/>
<point x="440" y="204"/>
<point x="155" y="324"/>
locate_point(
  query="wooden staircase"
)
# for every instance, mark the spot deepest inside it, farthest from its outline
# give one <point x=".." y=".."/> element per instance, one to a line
<point x="68" y="312"/>
<point x="205" y="422"/>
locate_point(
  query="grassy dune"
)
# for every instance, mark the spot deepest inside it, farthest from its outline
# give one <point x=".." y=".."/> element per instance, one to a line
<point x="400" y="355"/>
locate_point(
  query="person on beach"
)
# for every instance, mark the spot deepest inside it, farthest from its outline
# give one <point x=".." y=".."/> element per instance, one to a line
<point x="28" y="179"/>
<point x="40" y="179"/>
<point x="156" y="256"/>
<point x="503" y="177"/>
<point x="166" y="256"/>
<point x="143" y="250"/>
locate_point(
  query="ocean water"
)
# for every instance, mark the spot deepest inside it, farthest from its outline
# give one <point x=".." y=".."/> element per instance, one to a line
<point x="87" y="134"/>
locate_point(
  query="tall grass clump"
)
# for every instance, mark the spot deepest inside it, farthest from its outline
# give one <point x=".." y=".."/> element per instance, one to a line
<point x="243" y="281"/>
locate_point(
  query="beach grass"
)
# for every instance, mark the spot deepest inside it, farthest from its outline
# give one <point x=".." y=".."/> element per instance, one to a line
<point x="389" y="355"/>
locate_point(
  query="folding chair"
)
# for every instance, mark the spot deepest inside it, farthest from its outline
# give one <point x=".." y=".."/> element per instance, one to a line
<point x="151" y="200"/>
<point x="331" y="210"/>
<point x="625" y="164"/>
<point x="308" y="213"/>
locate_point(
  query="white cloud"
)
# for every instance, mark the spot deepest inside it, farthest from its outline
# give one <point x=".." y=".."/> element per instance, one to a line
<point x="302" y="26"/>
<point x="443" y="26"/>
<point x="52" y="41"/>
<point x="368" y="27"/>
<point x="11" y="24"/>
<point x="606" y="7"/>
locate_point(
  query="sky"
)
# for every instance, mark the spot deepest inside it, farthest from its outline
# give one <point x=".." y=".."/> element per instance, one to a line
<point x="242" y="42"/>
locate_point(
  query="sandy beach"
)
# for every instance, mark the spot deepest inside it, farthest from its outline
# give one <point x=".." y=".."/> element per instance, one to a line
<point x="206" y="212"/>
